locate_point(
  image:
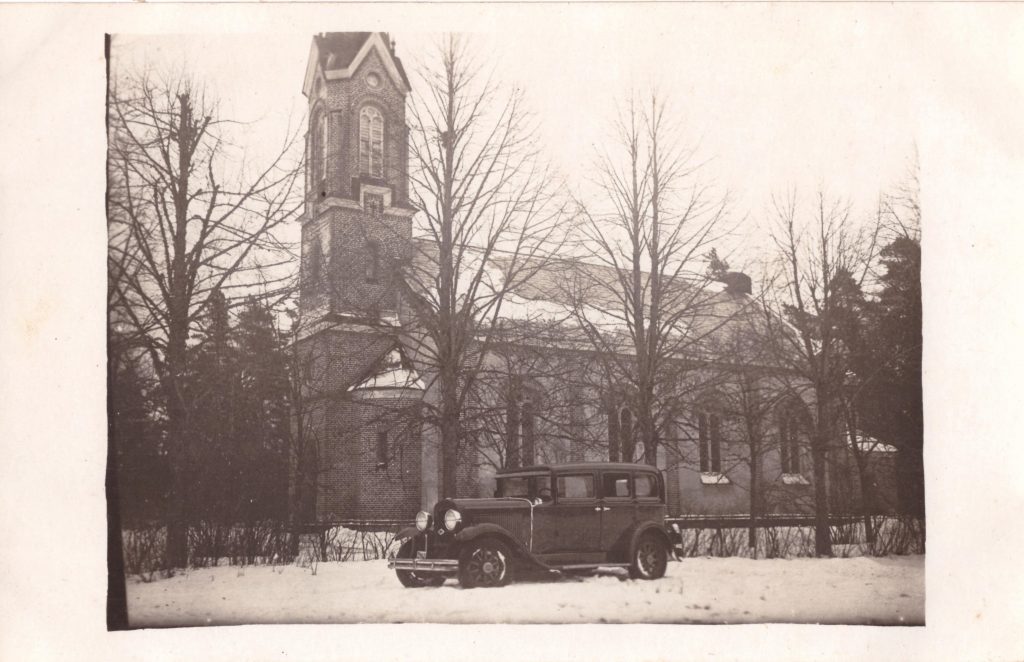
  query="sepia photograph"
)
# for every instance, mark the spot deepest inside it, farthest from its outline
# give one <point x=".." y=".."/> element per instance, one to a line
<point x="626" y="331"/>
<point x="393" y="317"/>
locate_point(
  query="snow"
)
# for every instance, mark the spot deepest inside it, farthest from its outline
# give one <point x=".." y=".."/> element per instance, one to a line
<point x="872" y="445"/>
<point x="861" y="590"/>
<point x="393" y="377"/>
<point x="713" y="478"/>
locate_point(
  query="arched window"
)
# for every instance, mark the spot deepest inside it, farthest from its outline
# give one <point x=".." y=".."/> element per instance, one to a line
<point x="789" y="447"/>
<point x="520" y="427"/>
<point x="382" y="449"/>
<point x="372" y="262"/>
<point x="318" y="148"/>
<point x="314" y="264"/>
<point x="621" y="434"/>
<point x="371" y="142"/>
<point x="709" y="438"/>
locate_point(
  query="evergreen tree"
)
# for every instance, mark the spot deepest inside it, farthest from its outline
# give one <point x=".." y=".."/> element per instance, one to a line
<point x="262" y="405"/>
<point x="240" y="421"/>
<point x="213" y="386"/>
<point x="894" y="410"/>
<point x="142" y="469"/>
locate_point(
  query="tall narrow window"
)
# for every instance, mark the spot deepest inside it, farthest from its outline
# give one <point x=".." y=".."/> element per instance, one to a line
<point x="372" y="262"/>
<point x="626" y="438"/>
<point x="520" y="427"/>
<point x="789" y="449"/>
<point x="710" y="441"/>
<point x="527" y="423"/>
<point x="319" y="151"/>
<point x="512" y="432"/>
<point x="371" y="142"/>
<point x="577" y="428"/>
<point x="382" y="449"/>
<point x="314" y="265"/>
<point x="613" y="434"/>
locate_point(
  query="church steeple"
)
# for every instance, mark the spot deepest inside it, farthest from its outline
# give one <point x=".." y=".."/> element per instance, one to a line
<point x="356" y="87"/>
<point x="357" y="219"/>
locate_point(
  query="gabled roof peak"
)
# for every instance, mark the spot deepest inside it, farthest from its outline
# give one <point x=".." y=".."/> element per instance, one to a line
<point x="339" y="54"/>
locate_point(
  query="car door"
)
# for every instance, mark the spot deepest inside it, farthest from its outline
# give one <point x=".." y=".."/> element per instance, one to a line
<point x="568" y="530"/>
<point x="617" y="511"/>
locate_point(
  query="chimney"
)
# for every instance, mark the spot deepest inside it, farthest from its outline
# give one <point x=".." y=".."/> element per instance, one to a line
<point x="736" y="282"/>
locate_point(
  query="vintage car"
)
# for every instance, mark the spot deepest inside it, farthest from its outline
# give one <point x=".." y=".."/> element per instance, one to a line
<point x="565" y="518"/>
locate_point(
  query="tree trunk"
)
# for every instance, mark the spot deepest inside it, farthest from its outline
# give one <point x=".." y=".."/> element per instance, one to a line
<point x="177" y="437"/>
<point x="754" y="487"/>
<point x="651" y="451"/>
<point x="117" y="600"/>
<point x="177" y="518"/>
<point x="176" y="356"/>
<point x="822" y="532"/>
<point x="449" y="434"/>
<point x="867" y="500"/>
<point x="649" y="436"/>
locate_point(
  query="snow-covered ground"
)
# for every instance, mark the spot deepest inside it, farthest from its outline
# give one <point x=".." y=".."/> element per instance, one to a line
<point x="697" y="590"/>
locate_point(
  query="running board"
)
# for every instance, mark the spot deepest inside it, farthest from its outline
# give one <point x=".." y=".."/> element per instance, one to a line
<point x="589" y="566"/>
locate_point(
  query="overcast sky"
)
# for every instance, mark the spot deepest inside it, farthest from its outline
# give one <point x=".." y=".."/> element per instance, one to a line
<point x="775" y="97"/>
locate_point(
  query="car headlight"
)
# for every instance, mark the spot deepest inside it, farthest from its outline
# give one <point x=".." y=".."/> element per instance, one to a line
<point x="452" y="519"/>
<point x="422" y="520"/>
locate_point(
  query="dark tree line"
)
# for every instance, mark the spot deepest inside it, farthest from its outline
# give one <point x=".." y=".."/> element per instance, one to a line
<point x="238" y="460"/>
<point x="187" y="216"/>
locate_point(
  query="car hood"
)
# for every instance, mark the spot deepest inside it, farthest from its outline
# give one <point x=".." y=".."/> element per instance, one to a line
<point x="496" y="503"/>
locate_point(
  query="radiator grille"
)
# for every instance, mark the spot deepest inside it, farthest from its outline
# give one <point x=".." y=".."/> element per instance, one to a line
<point x="517" y="523"/>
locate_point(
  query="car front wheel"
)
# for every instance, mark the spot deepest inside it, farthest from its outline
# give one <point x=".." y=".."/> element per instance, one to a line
<point x="411" y="579"/>
<point x="485" y="564"/>
<point x="650" y="558"/>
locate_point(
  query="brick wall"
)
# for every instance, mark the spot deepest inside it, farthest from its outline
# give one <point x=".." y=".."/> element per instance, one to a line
<point x="355" y="485"/>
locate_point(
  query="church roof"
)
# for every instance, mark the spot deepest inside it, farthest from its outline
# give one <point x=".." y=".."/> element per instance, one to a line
<point x="556" y="290"/>
<point x="337" y="50"/>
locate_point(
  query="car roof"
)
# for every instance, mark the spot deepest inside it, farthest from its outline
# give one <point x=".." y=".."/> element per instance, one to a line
<point x="577" y="466"/>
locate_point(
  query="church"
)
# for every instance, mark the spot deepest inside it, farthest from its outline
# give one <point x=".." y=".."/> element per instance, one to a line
<point x="366" y="452"/>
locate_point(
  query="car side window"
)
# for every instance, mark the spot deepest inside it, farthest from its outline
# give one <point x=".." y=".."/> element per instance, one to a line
<point x="646" y="486"/>
<point x="575" y="486"/>
<point x="616" y="486"/>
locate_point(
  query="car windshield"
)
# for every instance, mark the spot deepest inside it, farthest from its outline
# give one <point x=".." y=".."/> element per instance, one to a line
<point x="523" y="487"/>
<point x="516" y="486"/>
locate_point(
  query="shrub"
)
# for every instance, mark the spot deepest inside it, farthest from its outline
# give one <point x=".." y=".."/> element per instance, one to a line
<point x="144" y="551"/>
<point x="898" y="536"/>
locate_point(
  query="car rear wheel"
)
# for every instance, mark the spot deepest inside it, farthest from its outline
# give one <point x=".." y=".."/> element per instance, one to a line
<point x="412" y="579"/>
<point x="650" y="558"/>
<point x="484" y="564"/>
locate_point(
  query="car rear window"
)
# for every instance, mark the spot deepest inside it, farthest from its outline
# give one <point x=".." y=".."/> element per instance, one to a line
<point x="575" y="486"/>
<point x="616" y="485"/>
<point x="646" y="485"/>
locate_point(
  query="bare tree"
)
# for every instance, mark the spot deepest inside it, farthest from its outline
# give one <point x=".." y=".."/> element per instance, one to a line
<point x="187" y="216"/>
<point x="821" y="259"/>
<point x="649" y="309"/>
<point x="488" y="210"/>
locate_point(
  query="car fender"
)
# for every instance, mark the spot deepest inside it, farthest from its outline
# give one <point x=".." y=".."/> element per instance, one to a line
<point x="407" y="532"/>
<point x="644" y="527"/>
<point x="475" y="531"/>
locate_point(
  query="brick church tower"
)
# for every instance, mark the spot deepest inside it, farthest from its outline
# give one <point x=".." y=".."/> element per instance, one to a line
<point x="358" y="454"/>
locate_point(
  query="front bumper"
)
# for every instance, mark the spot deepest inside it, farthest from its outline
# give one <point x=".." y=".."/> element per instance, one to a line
<point x="449" y="566"/>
